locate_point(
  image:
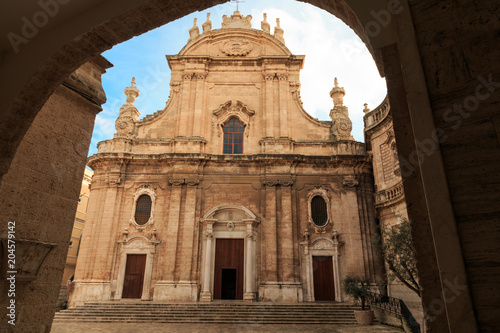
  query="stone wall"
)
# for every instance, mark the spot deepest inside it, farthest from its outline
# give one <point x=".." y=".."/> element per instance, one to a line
<point x="40" y="193"/>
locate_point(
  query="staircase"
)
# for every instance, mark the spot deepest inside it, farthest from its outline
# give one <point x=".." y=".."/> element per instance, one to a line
<point x="214" y="312"/>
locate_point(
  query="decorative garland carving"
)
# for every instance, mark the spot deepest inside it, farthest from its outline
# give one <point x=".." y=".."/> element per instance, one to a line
<point x="236" y="47"/>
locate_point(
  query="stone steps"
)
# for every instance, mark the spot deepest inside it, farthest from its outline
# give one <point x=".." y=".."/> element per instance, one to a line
<point x="214" y="312"/>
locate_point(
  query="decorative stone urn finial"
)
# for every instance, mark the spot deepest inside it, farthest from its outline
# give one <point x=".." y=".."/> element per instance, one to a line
<point x="128" y="114"/>
<point x="132" y="93"/>
<point x="194" y="31"/>
<point x="207" y="26"/>
<point x="264" y="25"/>
<point x="278" y="32"/>
<point x="337" y="94"/>
<point x="366" y="109"/>
<point x="341" y="124"/>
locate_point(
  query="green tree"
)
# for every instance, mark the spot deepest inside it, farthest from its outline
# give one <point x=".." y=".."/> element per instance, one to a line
<point x="396" y="247"/>
<point x="358" y="288"/>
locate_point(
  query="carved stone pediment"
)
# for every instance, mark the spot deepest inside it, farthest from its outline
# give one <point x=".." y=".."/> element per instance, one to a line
<point x="233" y="109"/>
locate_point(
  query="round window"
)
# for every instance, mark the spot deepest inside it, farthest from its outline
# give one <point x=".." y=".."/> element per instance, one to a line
<point x="319" y="211"/>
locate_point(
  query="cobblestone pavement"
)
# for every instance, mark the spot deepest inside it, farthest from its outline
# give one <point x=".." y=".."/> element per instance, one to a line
<point x="208" y="328"/>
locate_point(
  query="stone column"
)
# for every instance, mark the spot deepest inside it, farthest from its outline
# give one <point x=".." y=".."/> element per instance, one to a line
<point x="197" y="119"/>
<point x="286" y="234"/>
<point x="183" y="118"/>
<point x="173" y="227"/>
<point x="250" y="264"/>
<point x="186" y="232"/>
<point x="206" y="293"/>
<point x="283" y="104"/>
<point x="308" y="278"/>
<point x="269" y="105"/>
<point x="336" y="268"/>
<point x="269" y="246"/>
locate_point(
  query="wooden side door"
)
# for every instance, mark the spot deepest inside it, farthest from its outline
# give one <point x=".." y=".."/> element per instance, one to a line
<point x="323" y="278"/>
<point x="228" y="279"/>
<point x="134" y="276"/>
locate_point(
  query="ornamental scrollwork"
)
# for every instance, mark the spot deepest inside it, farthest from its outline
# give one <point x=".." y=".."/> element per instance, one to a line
<point x="233" y="109"/>
<point x="236" y="47"/>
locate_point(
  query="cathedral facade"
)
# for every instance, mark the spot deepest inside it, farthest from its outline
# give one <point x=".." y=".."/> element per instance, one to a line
<point x="232" y="191"/>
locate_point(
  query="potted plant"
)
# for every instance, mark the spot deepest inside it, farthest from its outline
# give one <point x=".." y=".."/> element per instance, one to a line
<point x="359" y="289"/>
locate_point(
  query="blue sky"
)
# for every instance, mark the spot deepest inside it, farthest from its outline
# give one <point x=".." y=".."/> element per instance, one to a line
<point x="331" y="48"/>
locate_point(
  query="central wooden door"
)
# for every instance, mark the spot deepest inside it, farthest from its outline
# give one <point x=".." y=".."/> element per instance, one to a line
<point x="228" y="279"/>
<point x="134" y="276"/>
<point x="323" y="278"/>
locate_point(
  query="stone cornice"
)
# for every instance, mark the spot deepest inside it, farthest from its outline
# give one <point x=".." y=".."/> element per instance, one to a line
<point x="334" y="160"/>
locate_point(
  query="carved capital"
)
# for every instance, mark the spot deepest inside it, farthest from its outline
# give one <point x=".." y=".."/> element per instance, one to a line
<point x="283" y="77"/>
<point x="192" y="181"/>
<point x="269" y="77"/>
<point x="209" y="234"/>
<point x="271" y="182"/>
<point x="188" y="76"/>
<point x="201" y="76"/>
<point x="176" y="181"/>
<point x="286" y="182"/>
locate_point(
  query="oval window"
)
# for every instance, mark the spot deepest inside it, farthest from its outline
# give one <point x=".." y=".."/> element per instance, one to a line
<point x="319" y="211"/>
<point x="143" y="209"/>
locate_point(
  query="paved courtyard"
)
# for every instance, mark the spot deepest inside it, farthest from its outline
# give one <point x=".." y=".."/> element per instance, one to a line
<point x="208" y="328"/>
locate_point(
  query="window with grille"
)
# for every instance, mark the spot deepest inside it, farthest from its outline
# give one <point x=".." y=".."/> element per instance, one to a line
<point x="233" y="137"/>
<point x="143" y="209"/>
<point x="319" y="211"/>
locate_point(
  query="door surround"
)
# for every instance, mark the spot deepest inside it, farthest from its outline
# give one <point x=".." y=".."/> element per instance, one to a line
<point x="229" y="221"/>
<point x="135" y="245"/>
<point x="320" y="247"/>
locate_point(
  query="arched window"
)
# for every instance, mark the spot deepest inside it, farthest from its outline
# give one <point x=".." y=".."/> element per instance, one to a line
<point x="143" y="209"/>
<point x="233" y="137"/>
<point x="319" y="211"/>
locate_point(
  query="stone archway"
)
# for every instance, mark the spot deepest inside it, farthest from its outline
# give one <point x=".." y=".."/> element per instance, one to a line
<point x="410" y="59"/>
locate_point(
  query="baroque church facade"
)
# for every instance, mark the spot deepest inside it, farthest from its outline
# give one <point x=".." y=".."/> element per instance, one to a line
<point x="232" y="191"/>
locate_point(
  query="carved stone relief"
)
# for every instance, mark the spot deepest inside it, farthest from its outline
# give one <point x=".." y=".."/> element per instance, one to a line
<point x="236" y="47"/>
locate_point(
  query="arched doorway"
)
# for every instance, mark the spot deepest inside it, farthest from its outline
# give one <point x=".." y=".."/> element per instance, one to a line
<point x="229" y="257"/>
